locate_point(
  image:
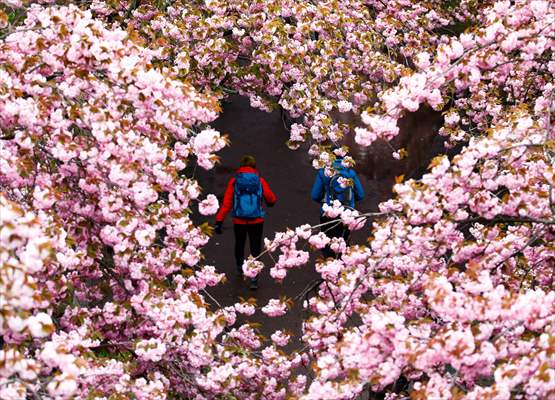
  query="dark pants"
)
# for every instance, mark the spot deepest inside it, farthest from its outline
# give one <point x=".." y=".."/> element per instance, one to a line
<point x="254" y="231"/>
<point x="333" y="229"/>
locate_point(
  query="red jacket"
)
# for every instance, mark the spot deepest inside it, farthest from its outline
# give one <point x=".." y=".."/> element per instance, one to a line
<point x="227" y="203"/>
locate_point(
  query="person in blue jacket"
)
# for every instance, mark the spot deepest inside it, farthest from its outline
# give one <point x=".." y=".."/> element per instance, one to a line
<point x="343" y="185"/>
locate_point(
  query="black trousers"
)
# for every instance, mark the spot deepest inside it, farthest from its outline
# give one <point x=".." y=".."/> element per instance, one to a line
<point x="254" y="232"/>
<point x="333" y="229"/>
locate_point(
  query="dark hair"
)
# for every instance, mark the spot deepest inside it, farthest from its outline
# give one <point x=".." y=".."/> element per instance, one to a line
<point x="248" y="161"/>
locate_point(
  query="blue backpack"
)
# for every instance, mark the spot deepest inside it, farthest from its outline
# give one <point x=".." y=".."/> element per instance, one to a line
<point x="336" y="192"/>
<point x="247" y="196"/>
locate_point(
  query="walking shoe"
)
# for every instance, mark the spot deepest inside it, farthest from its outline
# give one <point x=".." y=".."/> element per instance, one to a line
<point x="254" y="284"/>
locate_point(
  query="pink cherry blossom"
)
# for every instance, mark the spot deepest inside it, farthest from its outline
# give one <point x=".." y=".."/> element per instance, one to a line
<point x="209" y="206"/>
<point x="105" y="290"/>
<point x="274" y="308"/>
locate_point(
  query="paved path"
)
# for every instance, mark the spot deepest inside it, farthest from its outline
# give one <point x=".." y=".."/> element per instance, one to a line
<point x="290" y="175"/>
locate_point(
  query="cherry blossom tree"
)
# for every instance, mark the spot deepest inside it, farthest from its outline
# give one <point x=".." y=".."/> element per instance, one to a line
<point x="98" y="142"/>
<point x="103" y="113"/>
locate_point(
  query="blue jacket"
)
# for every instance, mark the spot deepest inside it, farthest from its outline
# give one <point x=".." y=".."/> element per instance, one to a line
<point x="320" y="188"/>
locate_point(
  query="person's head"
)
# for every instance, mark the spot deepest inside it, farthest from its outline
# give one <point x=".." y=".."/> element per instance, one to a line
<point x="248" y="161"/>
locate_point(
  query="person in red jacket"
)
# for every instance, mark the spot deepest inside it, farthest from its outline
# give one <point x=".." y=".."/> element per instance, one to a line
<point x="243" y="196"/>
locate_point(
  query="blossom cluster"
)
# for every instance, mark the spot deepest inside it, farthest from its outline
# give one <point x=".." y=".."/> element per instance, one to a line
<point x="102" y="287"/>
